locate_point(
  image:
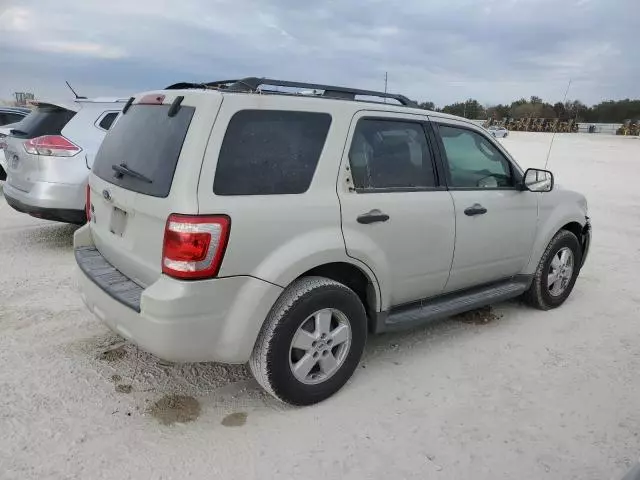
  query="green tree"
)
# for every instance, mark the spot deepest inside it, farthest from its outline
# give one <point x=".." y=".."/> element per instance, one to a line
<point x="468" y="109"/>
<point x="427" y="106"/>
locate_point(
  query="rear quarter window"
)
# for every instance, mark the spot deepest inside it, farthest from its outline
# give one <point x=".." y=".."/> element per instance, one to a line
<point x="148" y="142"/>
<point x="270" y="152"/>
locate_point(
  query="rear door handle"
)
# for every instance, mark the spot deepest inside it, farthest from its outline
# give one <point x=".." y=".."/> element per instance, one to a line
<point x="372" y="217"/>
<point x="475" y="209"/>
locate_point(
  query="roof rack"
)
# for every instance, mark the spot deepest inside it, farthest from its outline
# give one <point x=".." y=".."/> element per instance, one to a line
<point x="218" y="84"/>
<point x="254" y="84"/>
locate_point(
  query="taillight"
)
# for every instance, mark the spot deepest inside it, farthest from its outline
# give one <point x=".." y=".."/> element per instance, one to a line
<point x="87" y="205"/>
<point x="194" y="245"/>
<point x="51" y="145"/>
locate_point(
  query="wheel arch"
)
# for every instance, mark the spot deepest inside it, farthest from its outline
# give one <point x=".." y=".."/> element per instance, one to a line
<point x="548" y="230"/>
<point x="357" y="278"/>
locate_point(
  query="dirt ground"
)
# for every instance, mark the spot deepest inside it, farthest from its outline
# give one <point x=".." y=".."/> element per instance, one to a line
<point x="521" y="394"/>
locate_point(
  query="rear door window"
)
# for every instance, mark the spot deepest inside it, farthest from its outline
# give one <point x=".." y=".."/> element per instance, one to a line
<point x="391" y="154"/>
<point x="44" y="120"/>
<point x="270" y="152"/>
<point x="147" y="142"/>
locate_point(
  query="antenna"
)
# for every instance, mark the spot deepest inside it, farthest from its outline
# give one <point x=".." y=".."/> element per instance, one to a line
<point x="553" y="137"/>
<point x="74" y="92"/>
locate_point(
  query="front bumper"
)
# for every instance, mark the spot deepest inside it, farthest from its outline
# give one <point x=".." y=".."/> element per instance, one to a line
<point x="585" y="241"/>
<point x="183" y="321"/>
<point x="51" y="201"/>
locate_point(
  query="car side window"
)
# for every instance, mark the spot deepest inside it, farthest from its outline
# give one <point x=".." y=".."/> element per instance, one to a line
<point x="390" y="154"/>
<point x="107" y="120"/>
<point x="473" y="161"/>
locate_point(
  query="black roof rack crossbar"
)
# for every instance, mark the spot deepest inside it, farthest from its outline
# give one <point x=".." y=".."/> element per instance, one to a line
<point x="215" y="84"/>
<point x="253" y="84"/>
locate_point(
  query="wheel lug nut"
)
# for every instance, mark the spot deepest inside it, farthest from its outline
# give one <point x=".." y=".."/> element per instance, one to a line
<point x="329" y="342"/>
<point x="316" y="355"/>
<point x="325" y="353"/>
<point x="314" y="343"/>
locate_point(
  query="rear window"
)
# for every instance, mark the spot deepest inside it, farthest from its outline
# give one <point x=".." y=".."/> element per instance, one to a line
<point x="44" y="120"/>
<point x="268" y="152"/>
<point x="147" y="141"/>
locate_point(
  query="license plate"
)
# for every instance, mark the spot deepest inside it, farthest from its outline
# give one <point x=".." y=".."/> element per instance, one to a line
<point x="118" y="221"/>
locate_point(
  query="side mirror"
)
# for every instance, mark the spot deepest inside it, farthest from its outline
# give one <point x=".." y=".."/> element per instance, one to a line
<point x="536" y="180"/>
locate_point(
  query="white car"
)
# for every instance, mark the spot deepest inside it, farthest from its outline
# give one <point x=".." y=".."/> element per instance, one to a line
<point x="243" y="225"/>
<point x="48" y="156"/>
<point x="498" y="132"/>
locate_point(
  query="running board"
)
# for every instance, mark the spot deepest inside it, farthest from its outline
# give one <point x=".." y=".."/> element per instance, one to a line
<point x="418" y="313"/>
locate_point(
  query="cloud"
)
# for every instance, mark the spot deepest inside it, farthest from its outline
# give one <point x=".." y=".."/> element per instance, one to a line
<point x="441" y="50"/>
<point x="94" y="50"/>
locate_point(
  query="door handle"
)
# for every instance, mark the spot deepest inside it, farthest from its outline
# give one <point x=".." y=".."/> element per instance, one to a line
<point x="373" y="216"/>
<point x="475" y="209"/>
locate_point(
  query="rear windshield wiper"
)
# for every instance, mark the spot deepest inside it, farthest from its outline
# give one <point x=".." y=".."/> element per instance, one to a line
<point x="122" y="169"/>
<point x="15" y="131"/>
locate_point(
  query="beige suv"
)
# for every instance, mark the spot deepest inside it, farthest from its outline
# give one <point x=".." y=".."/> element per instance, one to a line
<point x="277" y="223"/>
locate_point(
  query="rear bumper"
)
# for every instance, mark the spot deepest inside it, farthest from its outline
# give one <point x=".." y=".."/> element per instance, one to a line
<point x="51" y="201"/>
<point x="211" y="320"/>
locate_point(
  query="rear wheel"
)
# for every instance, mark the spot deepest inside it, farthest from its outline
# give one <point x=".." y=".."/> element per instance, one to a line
<point x="311" y="342"/>
<point x="557" y="272"/>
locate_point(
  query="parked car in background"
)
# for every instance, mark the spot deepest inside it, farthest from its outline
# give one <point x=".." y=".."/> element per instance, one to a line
<point x="231" y="226"/>
<point x="498" y="132"/>
<point x="9" y="117"/>
<point x="48" y="156"/>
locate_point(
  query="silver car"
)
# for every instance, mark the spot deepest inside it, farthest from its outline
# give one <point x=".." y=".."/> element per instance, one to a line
<point x="280" y="229"/>
<point x="498" y="132"/>
<point x="9" y="118"/>
<point x="48" y="156"/>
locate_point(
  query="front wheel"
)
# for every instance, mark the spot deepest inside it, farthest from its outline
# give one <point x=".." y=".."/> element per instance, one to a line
<point x="557" y="272"/>
<point x="311" y="342"/>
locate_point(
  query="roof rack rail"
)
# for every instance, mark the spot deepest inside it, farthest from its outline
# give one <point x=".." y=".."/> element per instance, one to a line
<point x="253" y="84"/>
<point x="216" y="84"/>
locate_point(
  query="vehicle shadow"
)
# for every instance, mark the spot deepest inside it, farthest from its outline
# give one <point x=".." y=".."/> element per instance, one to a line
<point x="231" y="387"/>
<point x="47" y="236"/>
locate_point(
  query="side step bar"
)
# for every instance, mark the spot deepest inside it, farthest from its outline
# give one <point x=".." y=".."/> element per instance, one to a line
<point x="418" y="313"/>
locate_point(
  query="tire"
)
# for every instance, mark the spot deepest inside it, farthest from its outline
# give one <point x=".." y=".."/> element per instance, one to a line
<point x="541" y="294"/>
<point x="274" y="354"/>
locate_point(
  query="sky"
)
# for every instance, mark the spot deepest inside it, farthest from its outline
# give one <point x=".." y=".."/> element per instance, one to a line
<point x="438" y="50"/>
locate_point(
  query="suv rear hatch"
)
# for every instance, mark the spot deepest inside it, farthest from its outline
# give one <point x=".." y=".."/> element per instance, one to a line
<point x="45" y="122"/>
<point x="147" y="168"/>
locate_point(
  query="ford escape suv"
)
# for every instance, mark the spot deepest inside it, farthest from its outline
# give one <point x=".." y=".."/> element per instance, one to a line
<point x="49" y="154"/>
<point x="234" y="223"/>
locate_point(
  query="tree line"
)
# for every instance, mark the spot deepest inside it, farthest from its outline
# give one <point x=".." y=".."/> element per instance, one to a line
<point x="609" y="111"/>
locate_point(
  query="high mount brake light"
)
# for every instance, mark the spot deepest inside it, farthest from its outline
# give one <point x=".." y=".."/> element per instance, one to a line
<point x="151" y="100"/>
<point x="194" y="245"/>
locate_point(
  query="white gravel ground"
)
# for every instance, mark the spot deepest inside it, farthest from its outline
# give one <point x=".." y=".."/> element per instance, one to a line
<point x="530" y="395"/>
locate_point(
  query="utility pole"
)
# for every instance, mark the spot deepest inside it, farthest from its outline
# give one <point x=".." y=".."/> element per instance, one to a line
<point x="386" y="77"/>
